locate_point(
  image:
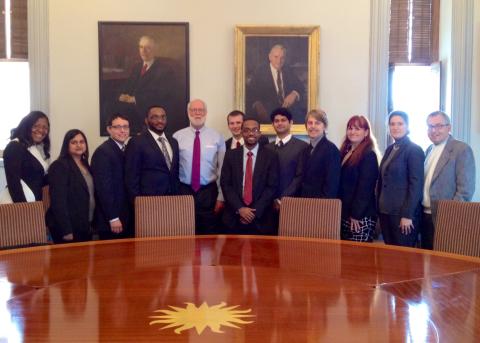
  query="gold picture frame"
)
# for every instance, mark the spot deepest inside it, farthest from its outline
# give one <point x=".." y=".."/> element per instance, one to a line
<point x="255" y="83"/>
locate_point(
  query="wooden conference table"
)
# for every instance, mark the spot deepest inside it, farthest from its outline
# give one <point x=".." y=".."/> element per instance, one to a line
<point x="237" y="289"/>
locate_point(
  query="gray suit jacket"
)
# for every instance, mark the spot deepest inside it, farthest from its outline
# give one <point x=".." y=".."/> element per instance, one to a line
<point x="454" y="175"/>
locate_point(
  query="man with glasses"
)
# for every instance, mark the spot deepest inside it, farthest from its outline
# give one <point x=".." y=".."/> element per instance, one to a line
<point x="449" y="173"/>
<point x="151" y="159"/>
<point x="113" y="218"/>
<point x="249" y="182"/>
<point x="201" y="156"/>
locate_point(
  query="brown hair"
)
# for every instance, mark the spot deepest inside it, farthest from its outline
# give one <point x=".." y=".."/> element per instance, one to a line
<point x="369" y="143"/>
<point x="319" y="115"/>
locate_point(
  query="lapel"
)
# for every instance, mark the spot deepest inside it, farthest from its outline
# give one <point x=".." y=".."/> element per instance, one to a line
<point x="401" y="147"/>
<point x="258" y="169"/>
<point x="237" y="156"/>
<point x="153" y="143"/>
<point x="174" y="151"/>
<point x="77" y="174"/>
<point x="443" y="160"/>
<point x="119" y="154"/>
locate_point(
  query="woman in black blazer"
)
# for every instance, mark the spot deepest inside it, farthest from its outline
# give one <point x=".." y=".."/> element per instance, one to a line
<point x="400" y="185"/>
<point x="322" y="160"/>
<point x="71" y="191"/>
<point x="27" y="156"/>
<point x="358" y="180"/>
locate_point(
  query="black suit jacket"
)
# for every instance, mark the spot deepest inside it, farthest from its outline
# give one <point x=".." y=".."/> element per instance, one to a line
<point x="321" y="177"/>
<point x="263" y="140"/>
<point x="291" y="159"/>
<point x="265" y="180"/>
<point x="153" y="88"/>
<point x="21" y="164"/>
<point x="261" y="88"/>
<point x="108" y="169"/>
<point x="146" y="172"/>
<point x="357" y="187"/>
<point x="70" y="201"/>
<point x="400" y="184"/>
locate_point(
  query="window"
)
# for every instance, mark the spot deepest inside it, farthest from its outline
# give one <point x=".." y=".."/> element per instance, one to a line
<point x="15" y="80"/>
<point x="416" y="90"/>
<point x="414" y="78"/>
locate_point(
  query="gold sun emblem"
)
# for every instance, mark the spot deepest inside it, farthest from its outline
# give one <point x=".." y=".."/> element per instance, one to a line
<point x="201" y="317"/>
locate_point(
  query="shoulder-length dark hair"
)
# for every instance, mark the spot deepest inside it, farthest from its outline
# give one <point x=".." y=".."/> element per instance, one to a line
<point x="23" y="132"/>
<point x="369" y="143"/>
<point x="66" y="142"/>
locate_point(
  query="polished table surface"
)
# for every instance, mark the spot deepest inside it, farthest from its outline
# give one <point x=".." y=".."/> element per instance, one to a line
<point x="237" y="289"/>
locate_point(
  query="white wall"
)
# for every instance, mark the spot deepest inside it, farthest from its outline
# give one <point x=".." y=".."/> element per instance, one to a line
<point x="74" y="85"/>
<point x="475" y="130"/>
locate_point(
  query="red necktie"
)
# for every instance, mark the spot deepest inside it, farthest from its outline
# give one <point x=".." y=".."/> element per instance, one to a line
<point x="195" y="182"/>
<point x="144" y="69"/>
<point x="238" y="144"/>
<point x="247" y="187"/>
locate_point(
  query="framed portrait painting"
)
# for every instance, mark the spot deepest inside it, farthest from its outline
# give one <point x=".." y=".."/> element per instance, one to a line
<point x="143" y="64"/>
<point x="276" y="66"/>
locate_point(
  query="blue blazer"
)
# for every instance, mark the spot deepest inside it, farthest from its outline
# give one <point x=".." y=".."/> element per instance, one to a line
<point x="146" y="172"/>
<point x="400" y="185"/>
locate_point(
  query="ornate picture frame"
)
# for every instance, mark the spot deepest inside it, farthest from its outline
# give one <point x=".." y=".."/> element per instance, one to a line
<point x="256" y="86"/>
<point x="126" y="89"/>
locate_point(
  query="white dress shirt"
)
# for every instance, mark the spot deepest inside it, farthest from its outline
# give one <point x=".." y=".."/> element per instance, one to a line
<point x="212" y="152"/>
<point x="430" y="164"/>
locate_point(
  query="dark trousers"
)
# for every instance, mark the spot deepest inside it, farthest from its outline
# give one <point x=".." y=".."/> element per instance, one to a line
<point x="427" y="231"/>
<point x="206" y="222"/>
<point x="392" y="233"/>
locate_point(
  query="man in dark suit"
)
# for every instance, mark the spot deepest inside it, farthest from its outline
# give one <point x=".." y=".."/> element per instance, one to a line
<point x="149" y="83"/>
<point x="249" y="181"/>
<point x="151" y="161"/>
<point x="275" y="85"/>
<point x="290" y="155"/>
<point x="113" y="214"/>
<point x="234" y="122"/>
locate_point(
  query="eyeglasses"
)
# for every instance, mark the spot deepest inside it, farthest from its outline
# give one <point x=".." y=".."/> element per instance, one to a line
<point x="120" y="127"/>
<point x="247" y="130"/>
<point x="437" y="126"/>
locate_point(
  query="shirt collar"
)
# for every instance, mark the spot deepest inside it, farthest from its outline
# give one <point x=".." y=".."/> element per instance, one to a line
<point x="285" y="140"/>
<point x="156" y="136"/>
<point x="315" y="141"/>
<point x="254" y="150"/>
<point x="200" y="129"/>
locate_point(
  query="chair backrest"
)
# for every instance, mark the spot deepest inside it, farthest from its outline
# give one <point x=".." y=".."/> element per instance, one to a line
<point x="45" y="198"/>
<point x="22" y="224"/>
<point x="307" y="217"/>
<point x="457" y="227"/>
<point x="157" y="216"/>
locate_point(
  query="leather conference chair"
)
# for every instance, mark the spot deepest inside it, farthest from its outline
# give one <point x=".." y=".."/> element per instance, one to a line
<point x="457" y="228"/>
<point x="22" y="224"/>
<point x="307" y="217"/>
<point x="157" y="216"/>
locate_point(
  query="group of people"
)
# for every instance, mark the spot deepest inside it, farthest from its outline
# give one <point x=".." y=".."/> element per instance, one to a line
<point x="238" y="184"/>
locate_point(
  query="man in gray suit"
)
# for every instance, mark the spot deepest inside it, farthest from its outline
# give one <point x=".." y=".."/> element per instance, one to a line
<point x="449" y="173"/>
